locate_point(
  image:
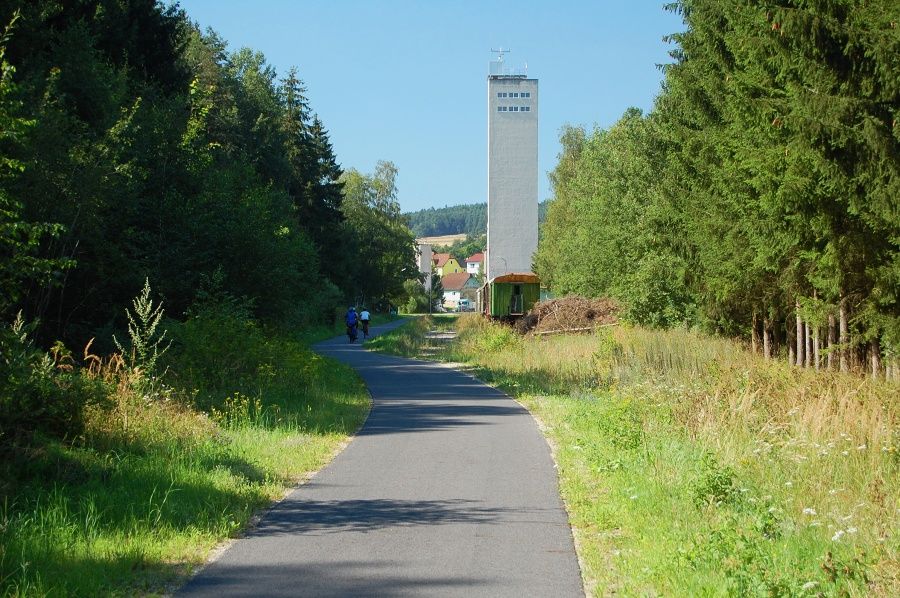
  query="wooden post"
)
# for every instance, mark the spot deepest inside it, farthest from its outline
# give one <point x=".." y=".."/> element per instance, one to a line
<point x="800" y="341"/>
<point x="767" y="348"/>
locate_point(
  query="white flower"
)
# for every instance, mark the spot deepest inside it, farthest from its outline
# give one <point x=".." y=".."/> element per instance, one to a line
<point x="837" y="535"/>
<point x="845" y="453"/>
<point x="852" y="530"/>
<point x="861" y="447"/>
<point x="633" y="497"/>
<point x="789" y="483"/>
<point x="809" y="511"/>
<point x="809" y="585"/>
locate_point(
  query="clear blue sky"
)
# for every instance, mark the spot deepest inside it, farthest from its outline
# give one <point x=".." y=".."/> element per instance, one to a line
<point x="406" y="81"/>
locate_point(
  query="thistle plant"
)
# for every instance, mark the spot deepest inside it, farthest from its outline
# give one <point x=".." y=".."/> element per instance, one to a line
<point x="146" y="343"/>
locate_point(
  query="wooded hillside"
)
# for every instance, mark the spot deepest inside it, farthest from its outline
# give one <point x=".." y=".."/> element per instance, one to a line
<point x="470" y="219"/>
<point x="760" y="196"/>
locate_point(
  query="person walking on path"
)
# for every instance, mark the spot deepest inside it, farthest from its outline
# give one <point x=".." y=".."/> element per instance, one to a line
<point x="352" y="321"/>
<point x="364" y="320"/>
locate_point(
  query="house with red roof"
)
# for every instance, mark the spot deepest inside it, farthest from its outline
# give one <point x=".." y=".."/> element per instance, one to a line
<point x="457" y="286"/>
<point x="474" y="263"/>
<point x="445" y="264"/>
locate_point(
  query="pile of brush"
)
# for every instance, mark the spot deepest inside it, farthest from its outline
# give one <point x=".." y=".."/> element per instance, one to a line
<point x="568" y="314"/>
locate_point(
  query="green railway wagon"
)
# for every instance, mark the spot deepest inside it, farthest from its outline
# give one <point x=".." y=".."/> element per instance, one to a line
<point x="509" y="296"/>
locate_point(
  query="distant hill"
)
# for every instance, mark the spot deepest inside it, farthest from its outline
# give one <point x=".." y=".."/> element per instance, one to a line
<point x="470" y="219"/>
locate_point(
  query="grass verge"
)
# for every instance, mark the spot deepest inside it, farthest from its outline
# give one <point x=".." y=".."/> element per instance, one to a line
<point x="691" y="467"/>
<point x="151" y="485"/>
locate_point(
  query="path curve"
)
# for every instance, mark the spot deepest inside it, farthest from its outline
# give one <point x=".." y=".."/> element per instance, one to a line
<point x="449" y="489"/>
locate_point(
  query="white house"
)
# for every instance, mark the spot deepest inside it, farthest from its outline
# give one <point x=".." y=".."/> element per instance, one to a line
<point x="474" y="262"/>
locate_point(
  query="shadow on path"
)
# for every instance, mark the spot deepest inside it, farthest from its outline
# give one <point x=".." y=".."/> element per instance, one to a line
<point x="303" y="516"/>
<point x="330" y="579"/>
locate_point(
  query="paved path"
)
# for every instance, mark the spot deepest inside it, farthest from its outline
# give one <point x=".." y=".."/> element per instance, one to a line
<point x="448" y="490"/>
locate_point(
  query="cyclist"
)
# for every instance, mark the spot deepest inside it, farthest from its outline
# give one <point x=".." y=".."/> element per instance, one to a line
<point x="364" y="320"/>
<point x="352" y="320"/>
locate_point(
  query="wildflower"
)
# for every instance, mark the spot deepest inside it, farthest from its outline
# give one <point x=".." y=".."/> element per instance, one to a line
<point x="815" y="524"/>
<point x="633" y="497"/>
<point x="772" y="509"/>
<point x="789" y="483"/>
<point x="809" y="511"/>
<point x="845" y="453"/>
<point x="861" y="447"/>
<point x="837" y="535"/>
<point x="809" y="585"/>
<point x="852" y="530"/>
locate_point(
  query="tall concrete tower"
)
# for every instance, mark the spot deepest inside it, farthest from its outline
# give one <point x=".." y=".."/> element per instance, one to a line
<point x="512" y="207"/>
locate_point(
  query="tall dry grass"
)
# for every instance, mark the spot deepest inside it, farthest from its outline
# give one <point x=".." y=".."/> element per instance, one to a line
<point x="819" y="448"/>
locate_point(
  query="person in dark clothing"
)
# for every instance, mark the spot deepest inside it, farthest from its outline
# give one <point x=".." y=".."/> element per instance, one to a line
<point x="352" y="321"/>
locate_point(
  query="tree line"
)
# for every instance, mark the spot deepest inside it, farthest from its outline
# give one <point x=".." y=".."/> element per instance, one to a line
<point x="135" y="146"/>
<point x="759" y="197"/>
<point x="470" y="219"/>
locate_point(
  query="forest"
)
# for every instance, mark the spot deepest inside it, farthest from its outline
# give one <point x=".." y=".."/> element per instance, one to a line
<point x="142" y="156"/>
<point x="759" y="197"/>
<point x="138" y="147"/>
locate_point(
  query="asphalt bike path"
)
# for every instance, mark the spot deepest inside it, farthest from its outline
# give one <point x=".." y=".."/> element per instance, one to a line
<point x="449" y="489"/>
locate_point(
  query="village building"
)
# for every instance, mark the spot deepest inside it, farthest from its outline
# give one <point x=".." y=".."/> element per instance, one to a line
<point x="459" y="288"/>
<point x="445" y="264"/>
<point x="474" y="263"/>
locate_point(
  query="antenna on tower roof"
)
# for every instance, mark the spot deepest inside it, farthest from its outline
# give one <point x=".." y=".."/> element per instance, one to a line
<point x="500" y="53"/>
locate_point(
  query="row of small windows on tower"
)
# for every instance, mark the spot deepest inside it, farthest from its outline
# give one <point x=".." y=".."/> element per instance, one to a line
<point x="513" y="108"/>
<point x="513" y="94"/>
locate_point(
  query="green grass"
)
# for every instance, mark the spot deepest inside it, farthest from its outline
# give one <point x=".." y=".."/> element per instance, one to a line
<point x="152" y="486"/>
<point x="691" y="467"/>
<point x="410" y="340"/>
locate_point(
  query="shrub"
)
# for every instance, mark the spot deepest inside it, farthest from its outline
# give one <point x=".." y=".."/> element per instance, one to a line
<point x="40" y="393"/>
<point x="220" y="346"/>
